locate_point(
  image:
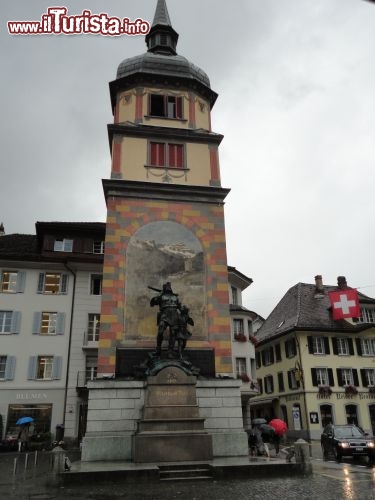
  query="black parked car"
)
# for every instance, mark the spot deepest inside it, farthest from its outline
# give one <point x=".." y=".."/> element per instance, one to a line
<point x="346" y="440"/>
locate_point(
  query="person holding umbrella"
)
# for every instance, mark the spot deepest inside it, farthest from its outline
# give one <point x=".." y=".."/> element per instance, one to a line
<point x="280" y="428"/>
<point x="23" y="435"/>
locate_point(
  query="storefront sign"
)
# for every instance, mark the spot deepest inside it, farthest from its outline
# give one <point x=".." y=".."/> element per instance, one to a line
<point x="31" y="395"/>
<point x="293" y="397"/>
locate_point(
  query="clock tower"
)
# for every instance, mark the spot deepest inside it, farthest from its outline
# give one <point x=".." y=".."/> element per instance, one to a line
<point x="165" y="203"/>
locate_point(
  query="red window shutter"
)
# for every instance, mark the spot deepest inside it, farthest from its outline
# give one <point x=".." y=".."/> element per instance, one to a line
<point x="176" y="155"/>
<point x="178" y="107"/>
<point x="157" y="154"/>
<point x="180" y="156"/>
<point x="171" y="155"/>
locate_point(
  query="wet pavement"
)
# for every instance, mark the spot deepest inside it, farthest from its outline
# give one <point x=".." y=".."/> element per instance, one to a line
<point x="329" y="481"/>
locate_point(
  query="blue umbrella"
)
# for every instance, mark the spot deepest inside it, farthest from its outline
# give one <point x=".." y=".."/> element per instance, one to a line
<point x="24" y="420"/>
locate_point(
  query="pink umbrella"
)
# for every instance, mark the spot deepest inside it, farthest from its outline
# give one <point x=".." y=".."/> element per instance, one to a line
<point x="279" y="426"/>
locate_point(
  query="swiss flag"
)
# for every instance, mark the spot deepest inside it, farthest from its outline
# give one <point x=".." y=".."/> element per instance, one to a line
<point x="345" y="304"/>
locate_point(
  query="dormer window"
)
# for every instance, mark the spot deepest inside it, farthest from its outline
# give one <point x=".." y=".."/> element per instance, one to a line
<point x="63" y="245"/>
<point x="367" y="315"/>
<point x="98" y="247"/>
<point x="166" y="106"/>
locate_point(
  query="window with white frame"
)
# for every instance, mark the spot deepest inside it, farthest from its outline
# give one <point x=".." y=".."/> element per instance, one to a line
<point x="91" y="367"/>
<point x="53" y="283"/>
<point x="342" y="347"/>
<point x="7" y="367"/>
<point x="10" y="322"/>
<point x="238" y="327"/>
<point x="234" y="292"/>
<point x="318" y="345"/>
<point x="63" y="245"/>
<point x="5" y="321"/>
<point x="48" y="323"/>
<point x="93" y="327"/>
<point x="268" y="384"/>
<point x="292" y="381"/>
<point x="346" y="377"/>
<point x="240" y="367"/>
<point x="98" y="247"/>
<point x="368" y="347"/>
<point x="322" y="376"/>
<point x="96" y="284"/>
<point x="13" y="281"/>
<point x="44" y="367"/>
<point x="367" y="315"/>
<point x="290" y="348"/>
<point x="368" y="377"/>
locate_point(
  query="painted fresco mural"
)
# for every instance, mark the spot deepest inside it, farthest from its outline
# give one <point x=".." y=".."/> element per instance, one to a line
<point x="159" y="252"/>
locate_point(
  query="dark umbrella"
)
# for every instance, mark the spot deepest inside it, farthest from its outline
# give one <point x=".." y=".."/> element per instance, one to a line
<point x="259" y="421"/>
<point x="24" y="420"/>
<point x="279" y="426"/>
<point x="267" y="429"/>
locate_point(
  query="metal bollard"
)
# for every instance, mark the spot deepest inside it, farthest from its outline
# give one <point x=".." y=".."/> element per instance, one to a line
<point x="26" y="460"/>
<point x="14" y="467"/>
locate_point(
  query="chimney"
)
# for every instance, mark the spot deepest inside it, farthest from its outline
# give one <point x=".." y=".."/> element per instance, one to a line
<point x="2" y="230"/>
<point x="341" y="282"/>
<point x="319" y="290"/>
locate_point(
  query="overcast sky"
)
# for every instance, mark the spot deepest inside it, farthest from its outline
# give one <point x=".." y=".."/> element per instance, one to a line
<point x="296" y="85"/>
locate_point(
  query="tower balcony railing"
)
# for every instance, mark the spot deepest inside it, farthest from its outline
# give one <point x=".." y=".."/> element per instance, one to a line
<point x="91" y="339"/>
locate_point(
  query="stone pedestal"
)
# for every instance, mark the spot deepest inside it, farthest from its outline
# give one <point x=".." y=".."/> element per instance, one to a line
<point x="171" y="429"/>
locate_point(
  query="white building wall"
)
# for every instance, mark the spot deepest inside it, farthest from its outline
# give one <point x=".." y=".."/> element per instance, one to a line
<point x="25" y="344"/>
<point x="84" y="304"/>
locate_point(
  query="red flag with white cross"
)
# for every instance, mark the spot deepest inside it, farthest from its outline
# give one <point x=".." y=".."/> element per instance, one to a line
<point x="345" y="304"/>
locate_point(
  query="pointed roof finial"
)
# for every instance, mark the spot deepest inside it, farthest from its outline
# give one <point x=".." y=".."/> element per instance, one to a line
<point x="161" y="14"/>
<point x="162" y="38"/>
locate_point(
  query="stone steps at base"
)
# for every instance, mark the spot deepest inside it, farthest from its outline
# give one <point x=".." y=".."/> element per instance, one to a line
<point x="184" y="478"/>
<point x="185" y="473"/>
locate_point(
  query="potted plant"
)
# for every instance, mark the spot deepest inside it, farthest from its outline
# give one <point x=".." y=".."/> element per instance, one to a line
<point x="253" y="339"/>
<point x="240" y="337"/>
<point x="325" y="390"/>
<point x="351" y="389"/>
<point x="244" y="377"/>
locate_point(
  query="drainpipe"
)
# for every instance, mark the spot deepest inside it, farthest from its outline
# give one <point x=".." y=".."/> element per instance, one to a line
<point x="70" y="339"/>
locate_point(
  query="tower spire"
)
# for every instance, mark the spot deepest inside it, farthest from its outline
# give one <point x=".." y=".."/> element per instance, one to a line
<point x="161" y="14"/>
<point x="162" y="38"/>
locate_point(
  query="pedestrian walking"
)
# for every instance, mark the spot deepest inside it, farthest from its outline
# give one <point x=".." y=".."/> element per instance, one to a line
<point x="23" y="438"/>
